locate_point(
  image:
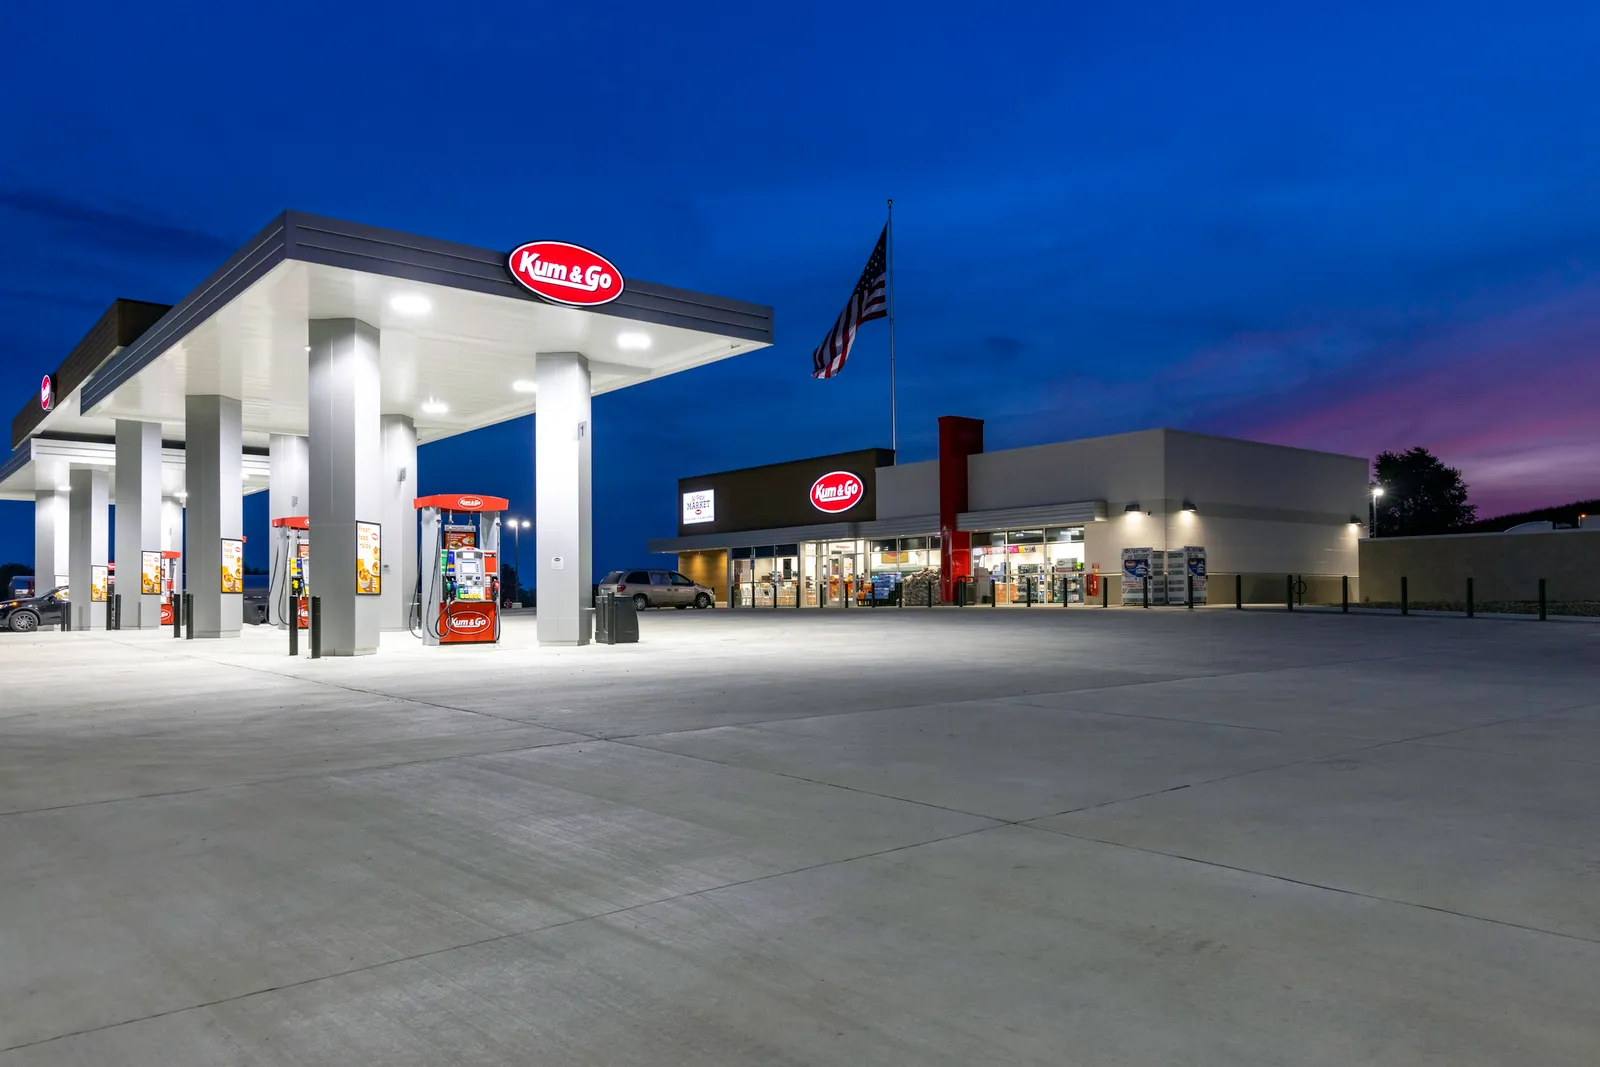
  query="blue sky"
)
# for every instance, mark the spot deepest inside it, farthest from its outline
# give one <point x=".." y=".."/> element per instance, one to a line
<point x="1353" y="227"/>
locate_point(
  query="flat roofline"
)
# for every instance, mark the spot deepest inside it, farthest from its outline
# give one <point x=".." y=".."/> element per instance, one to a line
<point x="790" y="462"/>
<point x="295" y="235"/>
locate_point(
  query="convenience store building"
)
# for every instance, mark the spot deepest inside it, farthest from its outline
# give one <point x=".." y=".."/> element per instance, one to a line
<point x="1043" y="524"/>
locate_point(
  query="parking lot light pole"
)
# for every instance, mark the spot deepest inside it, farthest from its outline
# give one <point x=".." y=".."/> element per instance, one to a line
<point x="1372" y="524"/>
<point x="517" y="526"/>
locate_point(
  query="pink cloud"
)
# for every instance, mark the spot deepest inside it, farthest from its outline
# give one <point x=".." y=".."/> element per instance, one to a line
<point x="1513" y="402"/>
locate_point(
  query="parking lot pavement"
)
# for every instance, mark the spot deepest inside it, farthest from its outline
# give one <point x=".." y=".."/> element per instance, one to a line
<point x="937" y="837"/>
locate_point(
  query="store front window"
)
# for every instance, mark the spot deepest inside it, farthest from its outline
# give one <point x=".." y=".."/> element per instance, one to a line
<point x="766" y="576"/>
<point x="894" y="561"/>
<point x="1040" y="566"/>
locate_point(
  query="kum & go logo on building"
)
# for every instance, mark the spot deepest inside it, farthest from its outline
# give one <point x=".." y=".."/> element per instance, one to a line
<point x="836" y="491"/>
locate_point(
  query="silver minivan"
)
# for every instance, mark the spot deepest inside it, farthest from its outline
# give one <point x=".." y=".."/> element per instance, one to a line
<point x="657" y="589"/>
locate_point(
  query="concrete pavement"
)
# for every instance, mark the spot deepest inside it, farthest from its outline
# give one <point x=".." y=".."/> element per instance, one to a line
<point x="895" y="837"/>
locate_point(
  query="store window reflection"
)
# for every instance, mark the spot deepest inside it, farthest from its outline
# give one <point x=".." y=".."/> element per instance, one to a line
<point x="765" y="576"/>
<point x="1039" y="566"/>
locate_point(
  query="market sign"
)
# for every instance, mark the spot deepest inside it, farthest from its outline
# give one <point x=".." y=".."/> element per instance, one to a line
<point x="47" y="394"/>
<point x="565" y="273"/>
<point x="699" y="506"/>
<point x="836" y="491"/>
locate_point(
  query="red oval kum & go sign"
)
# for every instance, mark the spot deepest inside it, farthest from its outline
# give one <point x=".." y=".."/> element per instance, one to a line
<point x="565" y="273"/>
<point x="469" y="502"/>
<point x="468" y="622"/>
<point x="47" y="393"/>
<point x="836" y="491"/>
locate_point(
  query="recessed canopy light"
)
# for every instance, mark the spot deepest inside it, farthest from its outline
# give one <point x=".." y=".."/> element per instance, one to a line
<point x="64" y="488"/>
<point x="633" y="342"/>
<point x="411" y="304"/>
<point x="181" y="495"/>
<point x="434" y="406"/>
<point x="525" y="385"/>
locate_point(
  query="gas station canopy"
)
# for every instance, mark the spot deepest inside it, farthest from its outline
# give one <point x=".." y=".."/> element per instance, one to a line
<point x="459" y="339"/>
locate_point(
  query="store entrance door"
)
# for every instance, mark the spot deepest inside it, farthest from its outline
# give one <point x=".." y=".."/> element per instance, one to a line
<point x="841" y="578"/>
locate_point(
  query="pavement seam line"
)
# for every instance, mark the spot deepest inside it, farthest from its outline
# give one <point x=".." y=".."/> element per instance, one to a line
<point x="292" y="778"/>
<point x="1000" y="699"/>
<point x="1314" y="885"/>
<point x="503" y="937"/>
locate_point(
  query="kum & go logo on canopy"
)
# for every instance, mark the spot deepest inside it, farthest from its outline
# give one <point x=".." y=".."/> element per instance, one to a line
<point x="836" y="491"/>
<point x="565" y="273"/>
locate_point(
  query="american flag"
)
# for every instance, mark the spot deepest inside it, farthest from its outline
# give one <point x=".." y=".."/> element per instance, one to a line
<point x="865" y="304"/>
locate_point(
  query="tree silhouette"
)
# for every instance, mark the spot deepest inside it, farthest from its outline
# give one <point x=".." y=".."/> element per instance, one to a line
<point x="1420" y="495"/>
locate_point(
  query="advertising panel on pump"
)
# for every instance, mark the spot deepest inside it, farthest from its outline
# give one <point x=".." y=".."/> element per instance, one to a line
<point x="369" y="559"/>
<point x="150" y="573"/>
<point x="232" y="565"/>
<point x="99" y="582"/>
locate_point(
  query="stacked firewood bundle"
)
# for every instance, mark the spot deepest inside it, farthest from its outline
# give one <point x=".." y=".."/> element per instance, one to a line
<point x="919" y="588"/>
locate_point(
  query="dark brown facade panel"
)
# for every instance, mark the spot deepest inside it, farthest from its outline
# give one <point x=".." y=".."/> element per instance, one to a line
<point x="121" y="325"/>
<point x="779" y="494"/>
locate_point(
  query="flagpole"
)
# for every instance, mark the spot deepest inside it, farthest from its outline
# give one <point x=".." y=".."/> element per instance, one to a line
<point x="894" y="429"/>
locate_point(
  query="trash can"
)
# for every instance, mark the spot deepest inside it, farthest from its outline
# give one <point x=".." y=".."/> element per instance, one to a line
<point x="616" y="621"/>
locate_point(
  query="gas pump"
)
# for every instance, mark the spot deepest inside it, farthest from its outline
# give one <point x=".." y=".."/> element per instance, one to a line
<point x="169" y="584"/>
<point x="458" y="581"/>
<point x="291" y="569"/>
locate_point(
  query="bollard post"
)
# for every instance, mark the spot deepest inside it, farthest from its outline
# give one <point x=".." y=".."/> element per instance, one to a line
<point x="316" y="627"/>
<point x="1288" y="591"/>
<point x="1238" y="592"/>
<point x="1105" y="592"/>
<point x="994" y="599"/>
<point x="1541" y="601"/>
<point x="188" y="616"/>
<point x="1470" y="605"/>
<point x="177" y="615"/>
<point x="1027" y="592"/>
<point x="1189" y="581"/>
<point x="66" y="619"/>
<point x="1405" y="598"/>
<point x="294" y="626"/>
<point x="1344" y="596"/>
<point x="1146" y="591"/>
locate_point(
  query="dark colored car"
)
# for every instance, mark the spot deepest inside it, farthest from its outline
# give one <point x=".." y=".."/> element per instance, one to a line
<point x="25" y="615"/>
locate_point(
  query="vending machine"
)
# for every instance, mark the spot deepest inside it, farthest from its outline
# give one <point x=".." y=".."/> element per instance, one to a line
<point x="457" y="601"/>
<point x="291" y="571"/>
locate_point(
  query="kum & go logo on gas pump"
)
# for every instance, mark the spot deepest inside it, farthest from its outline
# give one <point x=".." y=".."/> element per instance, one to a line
<point x="469" y="621"/>
<point x="565" y="273"/>
<point x="836" y="491"/>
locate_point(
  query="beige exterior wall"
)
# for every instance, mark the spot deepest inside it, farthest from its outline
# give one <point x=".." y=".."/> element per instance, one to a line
<point x="908" y="489"/>
<point x="1501" y="566"/>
